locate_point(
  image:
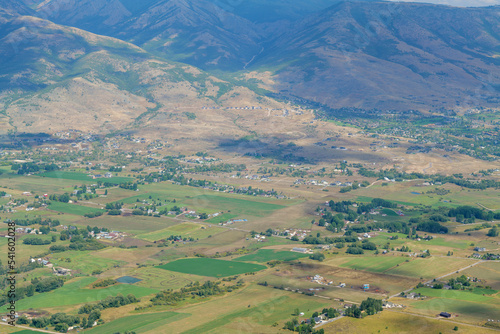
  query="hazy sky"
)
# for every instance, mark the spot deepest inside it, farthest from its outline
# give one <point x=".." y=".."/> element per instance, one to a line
<point x="459" y="3"/>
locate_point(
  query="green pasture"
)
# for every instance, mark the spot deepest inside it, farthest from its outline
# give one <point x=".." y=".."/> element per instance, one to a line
<point x="431" y="267"/>
<point x="184" y="229"/>
<point x="221" y="218"/>
<point x="455" y="294"/>
<point x="84" y="262"/>
<point x="265" y="255"/>
<point x="73" y="209"/>
<point x="211" y="267"/>
<point x="75" y="292"/>
<point x="376" y="264"/>
<point x="138" y="323"/>
<point x="464" y="308"/>
<point x="265" y="313"/>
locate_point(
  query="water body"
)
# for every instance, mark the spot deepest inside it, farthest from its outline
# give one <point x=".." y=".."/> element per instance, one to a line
<point x="128" y="280"/>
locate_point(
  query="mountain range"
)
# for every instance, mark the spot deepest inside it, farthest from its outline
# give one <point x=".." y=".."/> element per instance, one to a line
<point x="363" y="54"/>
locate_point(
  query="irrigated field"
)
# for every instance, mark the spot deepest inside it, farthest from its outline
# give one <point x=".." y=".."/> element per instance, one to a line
<point x="211" y="267"/>
<point x="430" y="267"/>
<point x="265" y="255"/>
<point x="76" y="292"/>
<point x="139" y="323"/>
<point x="73" y="209"/>
<point x="376" y="264"/>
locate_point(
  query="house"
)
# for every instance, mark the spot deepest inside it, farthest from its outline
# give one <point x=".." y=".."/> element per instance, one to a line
<point x="480" y="249"/>
<point x="445" y="315"/>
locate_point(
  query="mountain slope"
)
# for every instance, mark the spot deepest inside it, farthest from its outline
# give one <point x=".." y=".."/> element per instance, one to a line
<point x="57" y="78"/>
<point x="392" y="56"/>
<point x="196" y="32"/>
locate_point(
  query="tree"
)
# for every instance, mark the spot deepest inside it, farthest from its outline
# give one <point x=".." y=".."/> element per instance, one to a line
<point x="61" y="327"/>
<point x="493" y="232"/>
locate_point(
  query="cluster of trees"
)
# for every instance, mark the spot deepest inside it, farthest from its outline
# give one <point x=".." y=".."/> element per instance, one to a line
<point x="209" y="288"/>
<point x="108" y="302"/>
<point x="370" y="306"/>
<point x="37" y="285"/>
<point x="223" y="167"/>
<point x="103" y="283"/>
<point x="466" y="211"/>
<point x="44" y="222"/>
<point x="79" y="244"/>
<point x="93" y="214"/>
<point x="60" y="321"/>
<point x="36" y="241"/>
<point x="432" y="227"/>
<point x="317" y="256"/>
<point x="304" y="328"/>
<point x="459" y="283"/>
<point x="128" y="185"/>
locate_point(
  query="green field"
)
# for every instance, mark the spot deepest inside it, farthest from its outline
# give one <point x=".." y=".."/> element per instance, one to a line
<point x="455" y="294"/>
<point x="83" y="177"/>
<point x="376" y="264"/>
<point x="75" y="293"/>
<point x="138" y="323"/>
<point x="73" y="209"/>
<point x="430" y="267"/>
<point x="464" y="308"/>
<point x="211" y="267"/>
<point x="265" y="255"/>
<point x="221" y="218"/>
<point x="265" y="313"/>
<point x="184" y="229"/>
<point x="84" y="262"/>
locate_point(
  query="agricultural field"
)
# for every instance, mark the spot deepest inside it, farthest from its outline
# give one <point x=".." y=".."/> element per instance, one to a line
<point x="73" y="209"/>
<point x="386" y="238"/>
<point x="78" y="291"/>
<point x="139" y="323"/>
<point x="431" y="267"/>
<point x="375" y="264"/>
<point x="211" y="267"/>
<point x="266" y="255"/>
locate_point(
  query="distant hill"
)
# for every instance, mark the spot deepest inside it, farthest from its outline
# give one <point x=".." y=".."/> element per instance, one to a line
<point x="57" y="77"/>
<point x="391" y="56"/>
<point x="367" y="55"/>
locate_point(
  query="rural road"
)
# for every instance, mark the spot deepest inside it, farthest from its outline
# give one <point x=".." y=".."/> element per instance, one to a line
<point x="30" y="328"/>
<point x="437" y="278"/>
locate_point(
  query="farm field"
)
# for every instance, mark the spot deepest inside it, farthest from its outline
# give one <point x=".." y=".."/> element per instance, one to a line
<point x="265" y="255"/>
<point x="77" y="292"/>
<point x="398" y="322"/>
<point x="184" y="229"/>
<point x="231" y="314"/>
<point x="84" y="262"/>
<point x="467" y="311"/>
<point x="279" y="205"/>
<point x="211" y="267"/>
<point x="139" y="323"/>
<point x="431" y="267"/>
<point x="458" y="295"/>
<point x="376" y="264"/>
<point x="73" y="209"/>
